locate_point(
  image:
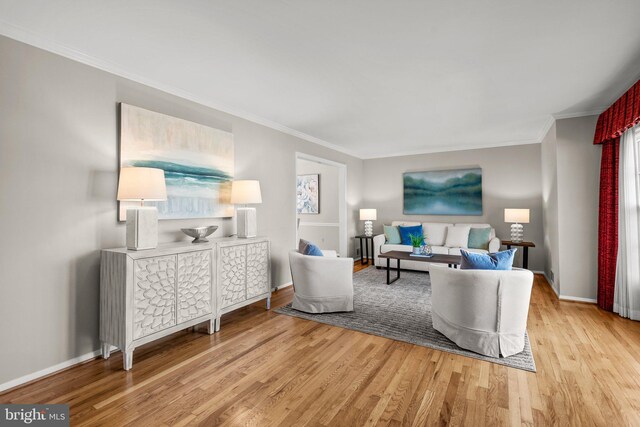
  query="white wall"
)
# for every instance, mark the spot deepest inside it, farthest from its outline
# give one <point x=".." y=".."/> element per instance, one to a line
<point x="549" y="154"/>
<point x="323" y="228"/>
<point x="511" y="178"/>
<point x="58" y="178"/>
<point x="578" y="163"/>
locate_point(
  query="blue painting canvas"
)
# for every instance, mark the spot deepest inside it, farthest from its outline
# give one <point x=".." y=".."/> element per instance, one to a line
<point x="198" y="162"/>
<point x="445" y="192"/>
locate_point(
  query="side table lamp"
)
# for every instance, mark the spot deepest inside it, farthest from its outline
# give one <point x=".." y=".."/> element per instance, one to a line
<point x="517" y="217"/>
<point x="368" y="216"/>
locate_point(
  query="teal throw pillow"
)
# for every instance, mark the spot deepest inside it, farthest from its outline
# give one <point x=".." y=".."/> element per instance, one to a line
<point x="407" y="232"/>
<point x="479" y="238"/>
<point x="392" y="234"/>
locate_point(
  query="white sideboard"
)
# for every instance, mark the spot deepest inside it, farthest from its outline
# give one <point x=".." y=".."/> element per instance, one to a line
<point x="146" y="295"/>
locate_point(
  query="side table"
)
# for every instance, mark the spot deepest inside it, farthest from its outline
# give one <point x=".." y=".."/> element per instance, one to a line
<point x="525" y="250"/>
<point x="366" y="240"/>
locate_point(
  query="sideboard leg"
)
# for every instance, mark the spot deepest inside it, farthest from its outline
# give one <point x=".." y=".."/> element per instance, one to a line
<point x="127" y="359"/>
<point x="269" y="303"/>
<point x="217" y="323"/>
<point x="211" y="325"/>
<point x="106" y="350"/>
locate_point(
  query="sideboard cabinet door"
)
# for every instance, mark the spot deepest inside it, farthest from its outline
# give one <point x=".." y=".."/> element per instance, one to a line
<point x="194" y="285"/>
<point x="154" y="291"/>
<point x="233" y="266"/>
<point x="257" y="269"/>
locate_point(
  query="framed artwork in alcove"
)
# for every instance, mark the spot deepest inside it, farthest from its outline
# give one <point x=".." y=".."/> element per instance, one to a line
<point x="308" y="194"/>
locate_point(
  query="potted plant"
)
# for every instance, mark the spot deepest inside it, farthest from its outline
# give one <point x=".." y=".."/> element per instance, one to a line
<point x="416" y="241"/>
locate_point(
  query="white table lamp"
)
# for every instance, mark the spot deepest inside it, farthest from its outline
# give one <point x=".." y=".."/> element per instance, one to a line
<point x="517" y="217"/>
<point x="368" y="216"/>
<point x="142" y="184"/>
<point x="246" y="192"/>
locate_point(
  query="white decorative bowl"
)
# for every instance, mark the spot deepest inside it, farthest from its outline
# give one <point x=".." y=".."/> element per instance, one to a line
<point x="199" y="233"/>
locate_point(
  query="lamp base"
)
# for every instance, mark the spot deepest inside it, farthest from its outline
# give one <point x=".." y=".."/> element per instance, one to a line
<point x="247" y="223"/>
<point x="517" y="232"/>
<point x="368" y="228"/>
<point x="142" y="228"/>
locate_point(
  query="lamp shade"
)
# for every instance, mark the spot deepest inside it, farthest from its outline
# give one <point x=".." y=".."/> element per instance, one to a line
<point x="142" y="184"/>
<point x="520" y="216"/>
<point x="245" y="192"/>
<point x="368" y="214"/>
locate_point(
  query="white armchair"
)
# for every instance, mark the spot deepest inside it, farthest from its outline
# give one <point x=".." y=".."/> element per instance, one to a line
<point x="481" y="310"/>
<point x="321" y="284"/>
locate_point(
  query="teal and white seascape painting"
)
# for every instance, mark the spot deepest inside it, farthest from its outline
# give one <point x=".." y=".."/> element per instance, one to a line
<point x="198" y="162"/>
<point x="444" y="192"/>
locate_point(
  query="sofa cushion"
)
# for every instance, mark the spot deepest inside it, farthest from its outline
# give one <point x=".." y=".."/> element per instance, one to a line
<point x="388" y="248"/>
<point x="479" y="237"/>
<point x="496" y="261"/>
<point x="440" y="250"/>
<point x="457" y="236"/>
<point x="472" y="225"/>
<point x="392" y="235"/>
<point x="407" y="231"/>
<point x="435" y="233"/>
<point x="456" y="251"/>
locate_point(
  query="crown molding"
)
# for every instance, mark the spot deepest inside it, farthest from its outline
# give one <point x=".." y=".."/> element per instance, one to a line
<point x="595" y="112"/>
<point x="28" y="37"/>
<point x="545" y="129"/>
<point x="463" y="147"/>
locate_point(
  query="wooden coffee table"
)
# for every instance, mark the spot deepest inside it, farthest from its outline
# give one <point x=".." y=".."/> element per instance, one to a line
<point x="452" y="260"/>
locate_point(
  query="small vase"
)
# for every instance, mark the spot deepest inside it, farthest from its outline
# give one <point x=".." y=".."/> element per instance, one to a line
<point x="417" y="250"/>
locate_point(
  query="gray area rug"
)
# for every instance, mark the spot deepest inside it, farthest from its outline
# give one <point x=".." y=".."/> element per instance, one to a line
<point x="402" y="311"/>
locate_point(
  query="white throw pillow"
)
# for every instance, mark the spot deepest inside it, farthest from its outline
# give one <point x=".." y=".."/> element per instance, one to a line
<point x="435" y="233"/>
<point x="457" y="236"/>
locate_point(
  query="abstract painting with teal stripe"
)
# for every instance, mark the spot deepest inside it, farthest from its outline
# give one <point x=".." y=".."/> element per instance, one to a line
<point x="198" y="162"/>
<point x="444" y="192"/>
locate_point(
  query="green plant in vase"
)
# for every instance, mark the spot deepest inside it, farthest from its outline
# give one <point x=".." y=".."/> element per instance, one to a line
<point x="416" y="241"/>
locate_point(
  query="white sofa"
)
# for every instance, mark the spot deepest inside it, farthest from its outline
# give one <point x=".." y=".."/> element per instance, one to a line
<point x="436" y="236"/>
<point x="481" y="310"/>
<point x="321" y="284"/>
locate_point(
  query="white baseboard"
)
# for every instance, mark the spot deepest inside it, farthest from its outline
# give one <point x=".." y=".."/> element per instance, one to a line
<point x="284" y="285"/>
<point x="578" y="299"/>
<point x="567" y="297"/>
<point x="52" y="369"/>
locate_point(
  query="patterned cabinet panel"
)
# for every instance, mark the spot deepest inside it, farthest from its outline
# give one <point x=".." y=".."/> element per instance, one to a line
<point x="233" y="265"/>
<point x="257" y="269"/>
<point x="154" y="292"/>
<point x="194" y="285"/>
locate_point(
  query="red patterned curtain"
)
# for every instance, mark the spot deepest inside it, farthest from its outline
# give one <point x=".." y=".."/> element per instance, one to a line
<point x="608" y="223"/>
<point x="622" y="115"/>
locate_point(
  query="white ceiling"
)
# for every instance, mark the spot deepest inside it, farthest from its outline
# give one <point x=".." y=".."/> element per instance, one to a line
<point x="371" y="77"/>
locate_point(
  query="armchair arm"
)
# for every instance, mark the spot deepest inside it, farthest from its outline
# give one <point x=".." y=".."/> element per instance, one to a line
<point x="329" y="253"/>
<point x="378" y="241"/>
<point x="494" y="245"/>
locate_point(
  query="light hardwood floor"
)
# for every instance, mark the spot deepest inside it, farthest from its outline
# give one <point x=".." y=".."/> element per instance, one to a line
<point x="268" y="369"/>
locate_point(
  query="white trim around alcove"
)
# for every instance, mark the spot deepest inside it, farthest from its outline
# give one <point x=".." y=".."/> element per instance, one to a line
<point x="342" y="199"/>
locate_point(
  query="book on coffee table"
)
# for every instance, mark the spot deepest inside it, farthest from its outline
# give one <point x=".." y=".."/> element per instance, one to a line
<point x="421" y="255"/>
